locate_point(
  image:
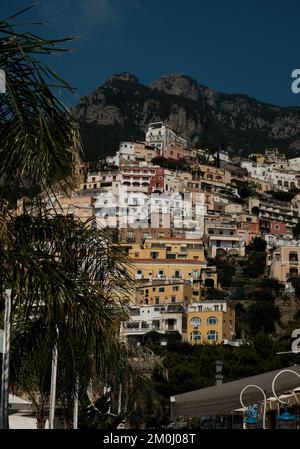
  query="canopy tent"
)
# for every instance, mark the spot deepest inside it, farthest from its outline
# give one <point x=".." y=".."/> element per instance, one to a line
<point x="16" y="403"/>
<point x="225" y="398"/>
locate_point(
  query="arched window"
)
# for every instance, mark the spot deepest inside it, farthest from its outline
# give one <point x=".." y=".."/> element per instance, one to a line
<point x="212" y="320"/>
<point x="195" y="336"/>
<point x="195" y="321"/>
<point x="212" y="335"/>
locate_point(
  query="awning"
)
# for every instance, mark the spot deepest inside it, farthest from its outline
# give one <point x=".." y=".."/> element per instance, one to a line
<point x="224" y="399"/>
<point x="16" y="403"/>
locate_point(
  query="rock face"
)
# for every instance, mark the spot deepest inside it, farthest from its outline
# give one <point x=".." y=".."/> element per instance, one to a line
<point x="121" y="108"/>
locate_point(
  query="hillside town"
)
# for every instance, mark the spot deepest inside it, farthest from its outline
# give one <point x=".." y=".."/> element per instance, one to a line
<point x="183" y="215"/>
<point x="149" y="230"/>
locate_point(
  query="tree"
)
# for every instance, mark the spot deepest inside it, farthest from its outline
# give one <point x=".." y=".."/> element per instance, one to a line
<point x="39" y="136"/>
<point x="258" y="244"/>
<point x="68" y="278"/>
<point x="69" y="281"/>
<point x="262" y="316"/>
<point x="296" y="231"/>
<point x="226" y="273"/>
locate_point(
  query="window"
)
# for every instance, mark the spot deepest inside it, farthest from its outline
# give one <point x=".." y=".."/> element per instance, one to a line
<point x="155" y="324"/>
<point x="293" y="257"/>
<point x="154" y="289"/>
<point x="173" y="299"/>
<point x="212" y="335"/>
<point x="195" y="321"/>
<point x="161" y="289"/>
<point x="212" y="320"/>
<point x="156" y="300"/>
<point x="176" y="288"/>
<point x="195" y="335"/>
<point x="171" y="256"/>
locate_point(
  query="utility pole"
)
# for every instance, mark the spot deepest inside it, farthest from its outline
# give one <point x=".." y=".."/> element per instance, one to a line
<point x="4" y="424"/>
<point x="53" y="384"/>
<point x="75" y="410"/>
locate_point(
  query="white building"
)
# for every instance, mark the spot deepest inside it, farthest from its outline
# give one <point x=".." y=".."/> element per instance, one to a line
<point x="282" y="179"/>
<point x="160" y="318"/>
<point x="160" y="135"/>
<point x="125" y="153"/>
<point x="294" y="164"/>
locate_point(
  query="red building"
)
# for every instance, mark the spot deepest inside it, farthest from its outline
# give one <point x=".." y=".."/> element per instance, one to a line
<point x="277" y="227"/>
<point x="157" y="181"/>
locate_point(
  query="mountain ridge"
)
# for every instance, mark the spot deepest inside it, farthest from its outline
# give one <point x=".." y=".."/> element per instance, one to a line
<point x="121" y="108"/>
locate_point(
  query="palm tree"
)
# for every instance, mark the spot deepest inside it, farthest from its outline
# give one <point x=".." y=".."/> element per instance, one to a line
<point x="64" y="275"/>
<point x="68" y="277"/>
<point x="39" y="137"/>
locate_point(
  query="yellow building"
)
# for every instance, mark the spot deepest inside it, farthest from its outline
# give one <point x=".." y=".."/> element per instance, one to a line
<point x="80" y="207"/>
<point x="210" y="322"/>
<point x="171" y="259"/>
<point x="285" y="263"/>
<point x="145" y="152"/>
<point x="212" y="174"/>
<point x="161" y="292"/>
<point x="257" y="157"/>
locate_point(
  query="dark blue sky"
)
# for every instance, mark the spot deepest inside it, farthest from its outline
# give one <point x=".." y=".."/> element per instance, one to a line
<point x="241" y="46"/>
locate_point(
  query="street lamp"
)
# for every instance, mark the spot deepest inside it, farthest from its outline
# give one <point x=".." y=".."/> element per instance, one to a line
<point x="285" y="420"/>
<point x="252" y="420"/>
<point x="5" y="362"/>
<point x="219" y="368"/>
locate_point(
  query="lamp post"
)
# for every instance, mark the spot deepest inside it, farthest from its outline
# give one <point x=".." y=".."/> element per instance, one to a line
<point x="53" y="383"/>
<point x="285" y="420"/>
<point x="219" y="369"/>
<point x="5" y="362"/>
<point x="252" y="420"/>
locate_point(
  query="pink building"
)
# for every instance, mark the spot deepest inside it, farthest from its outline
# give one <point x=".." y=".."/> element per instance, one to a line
<point x="174" y="150"/>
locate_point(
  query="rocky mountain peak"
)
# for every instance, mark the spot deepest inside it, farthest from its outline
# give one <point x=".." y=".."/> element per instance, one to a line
<point x="178" y="84"/>
<point x="125" y="76"/>
<point x="122" y="107"/>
